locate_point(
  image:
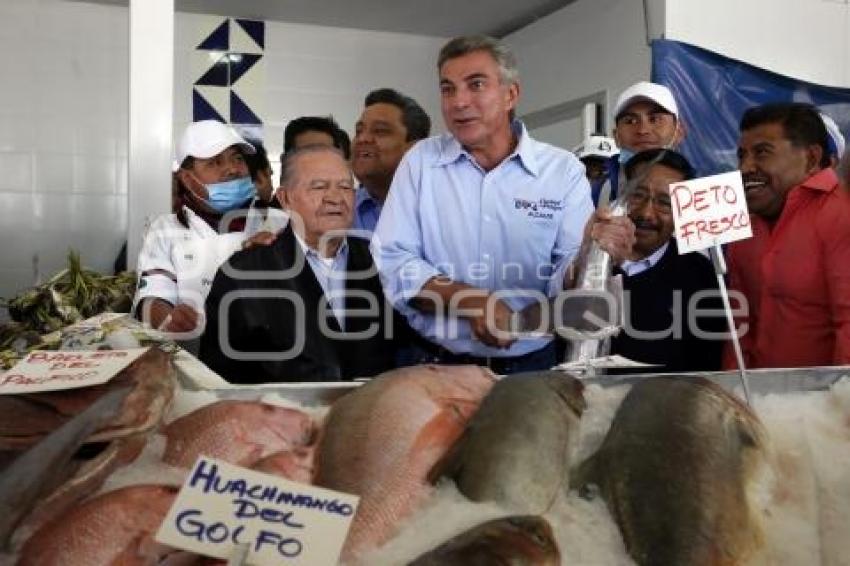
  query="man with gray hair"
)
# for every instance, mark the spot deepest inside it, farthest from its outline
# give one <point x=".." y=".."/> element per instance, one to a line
<point x="308" y="307"/>
<point x="484" y="220"/>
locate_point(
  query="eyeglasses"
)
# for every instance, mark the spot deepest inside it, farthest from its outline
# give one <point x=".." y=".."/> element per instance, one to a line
<point x="639" y="199"/>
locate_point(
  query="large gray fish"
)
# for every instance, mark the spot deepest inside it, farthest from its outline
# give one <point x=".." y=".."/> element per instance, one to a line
<point x="516" y="449"/>
<point x="514" y="541"/>
<point x="675" y="469"/>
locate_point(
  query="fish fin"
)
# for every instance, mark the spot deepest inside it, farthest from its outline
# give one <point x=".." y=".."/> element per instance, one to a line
<point x="461" y="409"/>
<point x="451" y="463"/>
<point x="571" y="390"/>
<point x="745" y="435"/>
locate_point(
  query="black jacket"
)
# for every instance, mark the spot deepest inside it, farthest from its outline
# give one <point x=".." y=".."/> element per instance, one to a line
<point x="295" y="345"/>
<point x="651" y="307"/>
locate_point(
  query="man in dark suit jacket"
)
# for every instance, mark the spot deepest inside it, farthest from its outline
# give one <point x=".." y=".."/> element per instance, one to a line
<point x="308" y="307"/>
<point x="659" y="283"/>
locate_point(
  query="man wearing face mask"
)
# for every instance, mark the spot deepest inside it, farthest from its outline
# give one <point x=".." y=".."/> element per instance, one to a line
<point x="646" y="116"/>
<point x="182" y="251"/>
<point x="795" y="270"/>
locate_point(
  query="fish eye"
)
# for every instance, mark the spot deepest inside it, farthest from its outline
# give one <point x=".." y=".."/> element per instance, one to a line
<point x="539" y="538"/>
<point x="589" y="491"/>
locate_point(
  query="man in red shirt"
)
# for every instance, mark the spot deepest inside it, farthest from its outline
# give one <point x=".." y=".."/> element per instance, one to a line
<point x="795" y="270"/>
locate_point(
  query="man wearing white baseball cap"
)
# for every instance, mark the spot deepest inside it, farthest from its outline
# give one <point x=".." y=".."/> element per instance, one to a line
<point x="183" y="250"/>
<point x="213" y="168"/>
<point x="646" y="116"/>
<point x="595" y="152"/>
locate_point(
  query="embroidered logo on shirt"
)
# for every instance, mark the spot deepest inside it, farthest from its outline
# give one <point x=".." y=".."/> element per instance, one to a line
<point x="542" y="208"/>
<point x="521" y="203"/>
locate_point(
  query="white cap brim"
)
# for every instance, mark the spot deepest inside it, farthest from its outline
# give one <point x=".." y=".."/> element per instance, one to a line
<point x="646" y="92"/>
<point x="208" y="138"/>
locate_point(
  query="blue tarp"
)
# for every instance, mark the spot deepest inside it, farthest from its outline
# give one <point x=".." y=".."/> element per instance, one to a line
<point x="713" y="92"/>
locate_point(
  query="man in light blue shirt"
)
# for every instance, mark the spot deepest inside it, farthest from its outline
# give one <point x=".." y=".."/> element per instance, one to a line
<point x="484" y="220"/>
<point x="389" y="125"/>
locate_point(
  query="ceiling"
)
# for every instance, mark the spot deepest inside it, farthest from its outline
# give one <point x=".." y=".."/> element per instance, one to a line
<point x="442" y="18"/>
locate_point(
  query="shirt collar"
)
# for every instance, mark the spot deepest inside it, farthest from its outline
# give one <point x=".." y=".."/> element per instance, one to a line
<point x="824" y="180"/>
<point x="310" y="252"/>
<point x="631" y="268"/>
<point x="363" y="197"/>
<point x="451" y="150"/>
<point x="524" y="149"/>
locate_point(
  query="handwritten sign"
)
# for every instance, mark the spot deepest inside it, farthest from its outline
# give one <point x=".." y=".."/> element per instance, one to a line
<point x="222" y="507"/>
<point x="710" y="210"/>
<point x="52" y="371"/>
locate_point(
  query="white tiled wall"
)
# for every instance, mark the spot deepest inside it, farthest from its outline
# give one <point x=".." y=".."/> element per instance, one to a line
<point x="64" y="116"/>
<point x="805" y="39"/>
<point x="316" y="70"/>
<point x="587" y="47"/>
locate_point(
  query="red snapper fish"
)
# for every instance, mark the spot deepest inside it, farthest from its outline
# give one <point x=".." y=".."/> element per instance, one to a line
<point x="520" y="540"/>
<point x="114" y="528"/>
<point x="380" y="442"/>
<point x="238" y="432"/>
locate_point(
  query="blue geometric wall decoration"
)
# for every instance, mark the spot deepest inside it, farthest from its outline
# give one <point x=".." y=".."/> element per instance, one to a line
<point x="203" y="110"/>
<point x="240" y="64"/>
<point x="218" y="40"/>
<point x="240" y="113"/>
<point x="257" y="31"/>
<point x="219" y="73"/>
<point x="237" y="48"/>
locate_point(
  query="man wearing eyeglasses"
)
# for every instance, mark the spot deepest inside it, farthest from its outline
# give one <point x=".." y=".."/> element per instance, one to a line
<point x="663" y="288"/>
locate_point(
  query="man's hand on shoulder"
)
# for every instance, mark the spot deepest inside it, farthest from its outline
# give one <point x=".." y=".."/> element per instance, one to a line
<point x="260" y="239"/>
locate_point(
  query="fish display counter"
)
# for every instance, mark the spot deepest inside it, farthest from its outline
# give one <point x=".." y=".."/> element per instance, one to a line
<point x="194" y="376"/>
<point x="455" y="464"/>
<point x="798" y="496"/>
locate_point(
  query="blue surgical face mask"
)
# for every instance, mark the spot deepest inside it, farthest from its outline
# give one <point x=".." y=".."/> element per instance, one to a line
<point x="230" y="195"/>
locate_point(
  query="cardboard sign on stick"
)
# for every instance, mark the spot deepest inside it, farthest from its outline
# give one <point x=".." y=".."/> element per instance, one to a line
<point x="222" y="508"/>
<point x="709" y="211"/>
